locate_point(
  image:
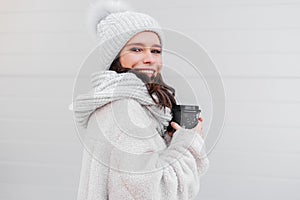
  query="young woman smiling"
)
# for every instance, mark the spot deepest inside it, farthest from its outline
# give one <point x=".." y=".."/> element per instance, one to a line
<point x="129" y="153"/>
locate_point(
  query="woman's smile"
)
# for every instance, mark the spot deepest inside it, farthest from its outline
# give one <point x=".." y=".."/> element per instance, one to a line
<point x="150" y="72"/>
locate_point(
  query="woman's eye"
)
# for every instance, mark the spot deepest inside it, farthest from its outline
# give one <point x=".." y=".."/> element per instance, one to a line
<point x="135" y="49"/>
<point x="156" y="51"/>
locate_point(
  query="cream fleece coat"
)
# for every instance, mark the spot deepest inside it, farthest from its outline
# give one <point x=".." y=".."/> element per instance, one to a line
<point x="125" y="157"/>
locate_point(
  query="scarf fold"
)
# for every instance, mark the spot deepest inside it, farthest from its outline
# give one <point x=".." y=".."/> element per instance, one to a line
<point x="109" y="86"/>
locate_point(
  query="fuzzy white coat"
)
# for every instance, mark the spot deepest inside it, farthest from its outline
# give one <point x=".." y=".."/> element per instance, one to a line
<point x="125" y="158"/>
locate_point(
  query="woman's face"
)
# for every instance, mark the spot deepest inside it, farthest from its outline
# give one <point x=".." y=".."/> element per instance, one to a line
<point x="143" y="53"/>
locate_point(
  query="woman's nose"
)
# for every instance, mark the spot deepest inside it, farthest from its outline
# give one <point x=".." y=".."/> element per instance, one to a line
<point x="148" y="57"/>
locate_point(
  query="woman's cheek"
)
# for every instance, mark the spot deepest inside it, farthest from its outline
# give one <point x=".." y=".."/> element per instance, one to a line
<point x="127" y="60"/>
<point x="159" y="65"/>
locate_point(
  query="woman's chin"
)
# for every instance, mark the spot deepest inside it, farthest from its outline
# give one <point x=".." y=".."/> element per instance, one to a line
<point x="151" y="76"/>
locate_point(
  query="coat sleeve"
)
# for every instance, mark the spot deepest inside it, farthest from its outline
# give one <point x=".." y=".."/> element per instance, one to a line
<point x="141" y="165"/>
<point x="94" y="174"/>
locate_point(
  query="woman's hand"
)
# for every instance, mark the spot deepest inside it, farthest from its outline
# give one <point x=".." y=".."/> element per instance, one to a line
<point x="197" y="128"/>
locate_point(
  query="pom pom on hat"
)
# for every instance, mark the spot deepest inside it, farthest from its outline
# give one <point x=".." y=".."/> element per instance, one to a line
<point x="100" y="9"/>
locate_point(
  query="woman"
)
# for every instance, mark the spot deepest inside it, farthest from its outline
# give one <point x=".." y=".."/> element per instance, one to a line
<point x="130" y="154"/>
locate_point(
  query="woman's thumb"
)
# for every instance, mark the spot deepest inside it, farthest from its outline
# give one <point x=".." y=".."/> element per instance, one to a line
<point x="175" y="125"/>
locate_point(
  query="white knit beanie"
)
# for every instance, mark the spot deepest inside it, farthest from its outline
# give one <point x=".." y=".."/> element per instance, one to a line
<point x="113" y="25"/>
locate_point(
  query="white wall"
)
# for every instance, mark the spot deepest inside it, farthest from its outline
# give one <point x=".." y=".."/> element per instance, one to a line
<point x="254" y="43"/>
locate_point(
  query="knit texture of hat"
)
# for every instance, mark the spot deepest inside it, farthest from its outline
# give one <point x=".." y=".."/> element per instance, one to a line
<point x="113" y="26"/>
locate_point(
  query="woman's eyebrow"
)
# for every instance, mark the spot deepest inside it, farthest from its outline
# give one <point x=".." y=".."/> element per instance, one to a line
<point x="141" y="44"/>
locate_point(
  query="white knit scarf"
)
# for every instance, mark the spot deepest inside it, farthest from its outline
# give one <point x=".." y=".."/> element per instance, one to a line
<point x="109" y="86"/>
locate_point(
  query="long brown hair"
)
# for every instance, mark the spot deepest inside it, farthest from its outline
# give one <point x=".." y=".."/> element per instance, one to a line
<point x="155" y="85"/>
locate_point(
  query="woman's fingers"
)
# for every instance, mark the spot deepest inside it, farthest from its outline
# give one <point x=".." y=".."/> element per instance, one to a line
<point x="200" y="129"/>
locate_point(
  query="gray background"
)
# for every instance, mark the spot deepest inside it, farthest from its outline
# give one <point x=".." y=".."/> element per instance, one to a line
<point x="254" y="43"/>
